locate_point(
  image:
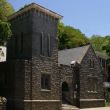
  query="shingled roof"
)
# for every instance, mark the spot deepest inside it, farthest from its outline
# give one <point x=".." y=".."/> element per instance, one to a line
<point x="75" y="54"/>
<point x="36" y="7"/>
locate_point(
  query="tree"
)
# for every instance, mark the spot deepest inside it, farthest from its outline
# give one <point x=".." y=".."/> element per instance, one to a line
<point x="97" y="42"/>
<point x="106" y="47"/>
<point x="69" y="37"/>
<point x="100" y="43"/>
<point x="5" y="10"/>
<point x="5" y="31"/>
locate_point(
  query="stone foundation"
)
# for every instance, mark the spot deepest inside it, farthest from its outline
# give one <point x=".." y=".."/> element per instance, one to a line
<point x="42" y="105"/>
<point x="91" y="103"/>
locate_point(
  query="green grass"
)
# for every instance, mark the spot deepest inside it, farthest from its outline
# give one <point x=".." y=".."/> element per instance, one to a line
<point x="107" y="103"/>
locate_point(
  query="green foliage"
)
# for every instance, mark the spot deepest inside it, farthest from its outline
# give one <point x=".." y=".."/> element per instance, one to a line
<point x="100" y="43"/>
<point x="5" y="10"/>
<point x="5" y="31"/>
<point x="106" y="47"/>
<point x="97" y="42"/>
<point x="70" y="37"/>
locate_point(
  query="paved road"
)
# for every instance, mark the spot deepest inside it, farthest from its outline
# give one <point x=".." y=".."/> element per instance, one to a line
<point x="99" y="108"/>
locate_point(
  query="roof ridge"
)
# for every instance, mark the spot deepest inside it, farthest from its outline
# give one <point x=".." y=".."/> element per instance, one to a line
<point x="74" y="47"/>
<point x="84" y="52"/>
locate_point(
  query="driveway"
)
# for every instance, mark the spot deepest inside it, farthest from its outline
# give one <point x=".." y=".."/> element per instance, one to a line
<point x="98" y="108"/>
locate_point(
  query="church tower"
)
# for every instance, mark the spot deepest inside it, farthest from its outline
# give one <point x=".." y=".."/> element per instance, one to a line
<point x="33" y="59"/>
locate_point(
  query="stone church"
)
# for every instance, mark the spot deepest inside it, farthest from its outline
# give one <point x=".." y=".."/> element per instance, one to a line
<point x="81" y="77"/>
<point x="36" y="76"/>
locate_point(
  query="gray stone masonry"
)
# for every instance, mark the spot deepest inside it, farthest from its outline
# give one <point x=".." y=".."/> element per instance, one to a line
<point x="24" y="49"/>
<point x="86" y="73"/>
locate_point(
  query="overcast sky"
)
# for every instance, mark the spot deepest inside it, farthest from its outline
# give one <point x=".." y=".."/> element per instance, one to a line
<point x="90" y="16"/>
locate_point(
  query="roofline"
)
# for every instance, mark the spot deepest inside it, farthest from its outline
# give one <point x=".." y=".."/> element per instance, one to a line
<point x="37" y="7"/>
<point x="78" y="61"/>
<point x="74" y="47"/>
<point x="85" y="53"/>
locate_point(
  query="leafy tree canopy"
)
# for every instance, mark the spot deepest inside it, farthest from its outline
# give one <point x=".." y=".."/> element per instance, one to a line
<point x="6" y="9"/>
<point x="106" y="46"/>
<point x="101" y="43"/>
<point x="97" y="42"/>
<point x="70" y="37"/>
<point x="5" y="31"/>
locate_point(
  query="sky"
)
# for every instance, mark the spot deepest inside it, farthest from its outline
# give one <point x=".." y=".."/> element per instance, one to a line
<point x="92" y="17"/>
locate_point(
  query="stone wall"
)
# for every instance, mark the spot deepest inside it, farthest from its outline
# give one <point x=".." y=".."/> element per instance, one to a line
<point x="22" y="33"/>
<point x="28" y="29"/>
<point x="92" y="104"/>
<point x="43" y="105"/>
<point x="43" y="26"/>
<point x="67" y="77"/>
<point x="91" y="80"/>
<point x="27" y="92"/>
<point x="28" y="64"/>
<point x="70" y="75"/>
<point x="45" y="66"/>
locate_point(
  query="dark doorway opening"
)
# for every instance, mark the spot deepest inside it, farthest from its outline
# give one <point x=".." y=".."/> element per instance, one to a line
<point x="65" y="92"/>
<point x="65" y="87"/>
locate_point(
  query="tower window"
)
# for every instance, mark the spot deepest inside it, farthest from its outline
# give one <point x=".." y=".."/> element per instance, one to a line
<point x="16" y="45"/>
<point x="48" y="46"/>
<point x="45" y="81"/>
<point x="41" y="44"/>
<point x="21" y="49"/>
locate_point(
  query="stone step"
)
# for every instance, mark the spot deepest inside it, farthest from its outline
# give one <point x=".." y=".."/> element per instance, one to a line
<point x="69" y="107"/>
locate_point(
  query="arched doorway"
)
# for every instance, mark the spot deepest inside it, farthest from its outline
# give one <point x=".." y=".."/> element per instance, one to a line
<point x="65" y="92"/>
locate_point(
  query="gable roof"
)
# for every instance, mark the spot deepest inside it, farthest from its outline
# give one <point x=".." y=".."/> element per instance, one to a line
<point x="75" y="54"/>
<point x="36" y="7"/>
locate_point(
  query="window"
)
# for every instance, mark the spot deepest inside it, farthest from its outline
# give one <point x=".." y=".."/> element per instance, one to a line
<point x="41" y="44"/>
<point x="92" y="84"/>
<point x="48" y="46"/>
<point x="21" y="49"/>
<point x="45" y="81"/>
<point x="91" y="63"/>
<point x="16" y="45"/>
